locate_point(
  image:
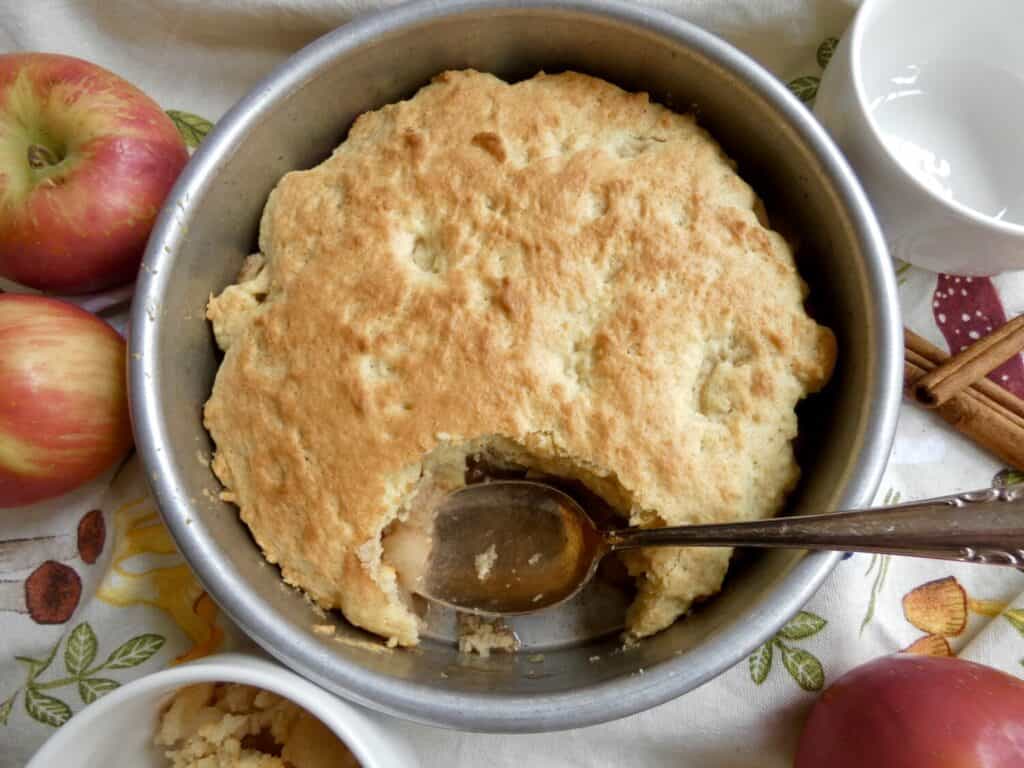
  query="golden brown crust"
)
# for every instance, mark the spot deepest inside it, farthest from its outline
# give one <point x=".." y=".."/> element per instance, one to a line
<point x="558" y="262"/>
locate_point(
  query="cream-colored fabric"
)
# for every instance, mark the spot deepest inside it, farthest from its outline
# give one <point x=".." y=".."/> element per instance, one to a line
<point x="202" y="55"/>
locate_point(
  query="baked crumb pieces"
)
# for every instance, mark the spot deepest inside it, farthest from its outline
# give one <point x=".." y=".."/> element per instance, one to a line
<point x="484" y="563"/>
<point x="481" y="636"/>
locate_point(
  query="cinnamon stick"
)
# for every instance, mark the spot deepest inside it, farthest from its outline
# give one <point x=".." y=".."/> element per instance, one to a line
<point x="984" y="412"/>
<point x="971" y="364"/>
<point x="938" y="356"/>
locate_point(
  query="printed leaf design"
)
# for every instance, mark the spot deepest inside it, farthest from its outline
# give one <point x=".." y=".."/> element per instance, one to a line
<point x="80" y="649"/>
<point x="92" y="688"/>
<point x="5" y="710"/>
<point x="803" y="667"/>
<point x="804" y="624"/>
<point x="36" y="667"/>
<point x="193" y="128"/>
<point x="1016" y="618"/>
<point x="46" y="709"/>
<point x="134" y="652"/>
<point x="825" y="51"/>
<point x="1008" y="477"/>
<point x="882" y="563"/>
<point x="761" y="663"/>
<point x="805" y="88"/>
<point x="902" y="268"/>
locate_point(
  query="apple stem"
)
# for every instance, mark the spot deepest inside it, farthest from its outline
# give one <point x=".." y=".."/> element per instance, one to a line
<point x="40" y="156"/>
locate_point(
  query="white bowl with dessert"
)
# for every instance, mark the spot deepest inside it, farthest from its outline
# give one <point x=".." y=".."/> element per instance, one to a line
<point x="232" y="709"/>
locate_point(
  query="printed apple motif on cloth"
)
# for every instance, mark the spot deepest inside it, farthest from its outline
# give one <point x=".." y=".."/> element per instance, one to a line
<point x="51" y="592"/>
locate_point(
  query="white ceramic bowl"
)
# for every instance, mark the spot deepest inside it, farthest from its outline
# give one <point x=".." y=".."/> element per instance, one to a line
<point x="926" y="98"/>
<point x="117" y="731"/>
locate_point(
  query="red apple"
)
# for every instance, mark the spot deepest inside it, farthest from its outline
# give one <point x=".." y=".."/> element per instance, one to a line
<point x="86" y="160"/>
<point x="63" y="398"/>
<point x="916" y="711"/>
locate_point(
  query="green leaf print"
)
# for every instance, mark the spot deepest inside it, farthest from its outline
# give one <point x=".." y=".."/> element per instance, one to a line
<point x="134" y="652"/>
<point x="92" y="688"/>
<point x="803" y="666"/>
<point x="826" y="50"/>
<point x="46" y="709"/>
<point x="193" y="128"/>
<point x="902" y="268"/>
<point x="1016" y="618"/>
<point x="761" y="663"/>
<point x="805" y="88"/>
<point x="880" y="564"/>
<point x="36" y="667"/>
<point x="5" y="709"/>
<point x="80" y="649"/>
<point x="1009" y="477"/>
<point x="804" y="624"/>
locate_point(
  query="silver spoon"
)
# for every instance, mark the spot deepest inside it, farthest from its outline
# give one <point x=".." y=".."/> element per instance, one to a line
<point x="515" y="546"/>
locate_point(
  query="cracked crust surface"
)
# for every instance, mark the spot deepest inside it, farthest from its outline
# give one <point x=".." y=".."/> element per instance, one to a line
<point x="555" y="265"/>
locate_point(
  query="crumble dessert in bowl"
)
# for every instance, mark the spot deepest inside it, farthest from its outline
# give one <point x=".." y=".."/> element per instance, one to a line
<point x="554" y="276"/>
<point x="232" y="710"/>
<point x="228" y="725"/>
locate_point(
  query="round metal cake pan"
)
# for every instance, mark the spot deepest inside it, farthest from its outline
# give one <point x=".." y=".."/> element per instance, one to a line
<point x="292" y="120"/>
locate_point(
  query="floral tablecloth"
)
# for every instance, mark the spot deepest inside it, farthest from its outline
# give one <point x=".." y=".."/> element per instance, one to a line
<point x="94" y="594"/>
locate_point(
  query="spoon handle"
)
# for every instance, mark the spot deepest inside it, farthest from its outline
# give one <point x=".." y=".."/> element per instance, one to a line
<point x="976" y="527"/>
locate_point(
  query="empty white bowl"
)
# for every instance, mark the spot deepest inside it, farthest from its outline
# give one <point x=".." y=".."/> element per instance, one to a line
<point x="117" y="731"/>
<point x="926" y="98"/>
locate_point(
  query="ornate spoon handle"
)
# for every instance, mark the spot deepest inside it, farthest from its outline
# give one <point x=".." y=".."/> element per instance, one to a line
<point x="975" y="527"/>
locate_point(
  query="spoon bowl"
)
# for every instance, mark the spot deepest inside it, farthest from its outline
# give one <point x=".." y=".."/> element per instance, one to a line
<point x="510" y="547"/>
<point x="514" y="546"/>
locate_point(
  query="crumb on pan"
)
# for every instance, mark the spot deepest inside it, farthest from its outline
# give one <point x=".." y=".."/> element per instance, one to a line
<point x="484" y="562"/>
<point x="481" y="636"/>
